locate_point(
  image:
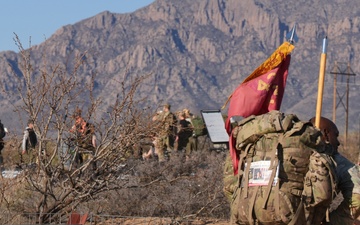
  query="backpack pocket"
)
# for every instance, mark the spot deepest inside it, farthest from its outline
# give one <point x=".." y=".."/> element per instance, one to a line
<point x="319" y="185"/>
<point x="280" y="208"/>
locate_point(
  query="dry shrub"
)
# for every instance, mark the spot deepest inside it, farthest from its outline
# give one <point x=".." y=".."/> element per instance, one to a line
<point x="49" y="95"/>
<point x="179" y="189"/>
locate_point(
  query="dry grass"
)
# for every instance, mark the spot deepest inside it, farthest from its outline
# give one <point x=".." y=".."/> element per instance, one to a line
<point x="350" y="147"/>
<point x="161" y="221"/>
<point x="178" y="189"/>
<point x="177" y="192"/>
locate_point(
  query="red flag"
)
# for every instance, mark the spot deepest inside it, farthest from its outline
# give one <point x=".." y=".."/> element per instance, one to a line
<point x="261" y="94"/>
<point x="257" y="96"/>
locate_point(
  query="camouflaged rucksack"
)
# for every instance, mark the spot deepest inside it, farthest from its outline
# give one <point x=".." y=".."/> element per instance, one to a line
<point x="285" y="174"/>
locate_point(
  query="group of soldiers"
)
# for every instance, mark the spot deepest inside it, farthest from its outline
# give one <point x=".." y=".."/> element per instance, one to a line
<point x="77" y="145"/>
<point x="174" y="133"/>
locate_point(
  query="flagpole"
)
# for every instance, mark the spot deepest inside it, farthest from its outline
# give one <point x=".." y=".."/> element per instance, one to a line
<point x="321" y="83"/>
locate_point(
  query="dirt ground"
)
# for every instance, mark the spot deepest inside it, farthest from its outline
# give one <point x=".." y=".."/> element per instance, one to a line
<point x="163" y="221"/>
<point x="160" y="221"/>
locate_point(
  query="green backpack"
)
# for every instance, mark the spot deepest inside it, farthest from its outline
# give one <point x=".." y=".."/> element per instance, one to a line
<point x="285" y="173"/>
<point x="199" y="126"/>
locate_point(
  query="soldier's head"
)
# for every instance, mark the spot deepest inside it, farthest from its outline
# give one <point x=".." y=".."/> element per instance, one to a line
<point x="181" y="115"/>
<point x="30" y="123"/>
<point x="167" y="107"/>
<point x="187" y="113"/>
<point x="77" y="113"/>
<point x="329" y="130"/>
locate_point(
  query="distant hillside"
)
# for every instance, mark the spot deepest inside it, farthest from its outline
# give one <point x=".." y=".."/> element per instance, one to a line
<point x="197" y="52"/>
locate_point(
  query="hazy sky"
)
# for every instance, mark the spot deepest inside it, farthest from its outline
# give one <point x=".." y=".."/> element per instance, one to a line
<point x="39" y="19"/>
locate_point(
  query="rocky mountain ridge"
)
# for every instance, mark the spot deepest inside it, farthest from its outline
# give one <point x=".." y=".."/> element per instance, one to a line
<point x="198" y="52"/>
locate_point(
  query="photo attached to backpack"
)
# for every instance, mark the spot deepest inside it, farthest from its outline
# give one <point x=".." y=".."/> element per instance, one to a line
<point x="260" y="174"/>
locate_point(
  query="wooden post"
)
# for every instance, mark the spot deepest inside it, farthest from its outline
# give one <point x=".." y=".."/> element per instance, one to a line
<point x="321" y="84"/>
<point x="347" y="105"/>
<point x="334" y="94"/>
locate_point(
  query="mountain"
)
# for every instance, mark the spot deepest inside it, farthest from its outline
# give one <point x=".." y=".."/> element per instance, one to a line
<point x="198" y="52"/>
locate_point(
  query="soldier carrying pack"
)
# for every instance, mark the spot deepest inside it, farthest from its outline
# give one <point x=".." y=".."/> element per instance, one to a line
<point x="285" y="173"/>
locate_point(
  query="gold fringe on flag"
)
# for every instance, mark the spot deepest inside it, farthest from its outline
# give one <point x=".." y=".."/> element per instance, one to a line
<point x="272" y="62"/>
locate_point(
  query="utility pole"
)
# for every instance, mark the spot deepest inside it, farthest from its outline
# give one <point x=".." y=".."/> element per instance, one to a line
<point x="342" y="69"/>
<point x="334" y="71"/>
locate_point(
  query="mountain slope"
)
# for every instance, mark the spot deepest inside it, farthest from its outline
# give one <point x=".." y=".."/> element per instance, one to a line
<point x="197" y="52"/>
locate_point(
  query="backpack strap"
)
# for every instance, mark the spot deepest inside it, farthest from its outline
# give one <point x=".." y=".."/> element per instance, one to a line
<point x="299" y="217"/>
<point x="273" y="166"/>
<point x="332" y="172"/>
<point x="246" y="178"/>
<point x="277" y="200"/>
<point x="251" y="208"/>
<point x="247" y="170"/>
<point x="246" y="186"/>
<point x="243" y="155"/>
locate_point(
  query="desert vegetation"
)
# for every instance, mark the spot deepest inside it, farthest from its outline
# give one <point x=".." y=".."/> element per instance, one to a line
<point x="121" y="183"/>
<point x="113" y="179"/>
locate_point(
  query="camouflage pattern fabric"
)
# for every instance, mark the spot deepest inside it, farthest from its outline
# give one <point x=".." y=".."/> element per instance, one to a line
<point x="355" y="198"/>
<point x="164" y="142"/>
<point x="191" y="145"/>
<point x="355" y="178"/>
<point x="355" y="205"/>
<point x="230" y="180"/>
<point x="249" y="129"/>
<point x="349" y="185"/>
<point x="287" y="143"/>
<point x="167" y="124"/>
<point x="161" y="144"/>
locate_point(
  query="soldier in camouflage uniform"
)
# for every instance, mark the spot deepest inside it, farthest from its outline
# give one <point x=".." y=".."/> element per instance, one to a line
<point x="348" y="178"/>
<point x="164" y="141"/>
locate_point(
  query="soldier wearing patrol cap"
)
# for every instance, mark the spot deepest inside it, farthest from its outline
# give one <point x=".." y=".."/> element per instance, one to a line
<point x="164" y="141"/>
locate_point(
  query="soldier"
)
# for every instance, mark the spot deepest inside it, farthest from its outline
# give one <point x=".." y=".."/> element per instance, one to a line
<point x="28" y="144"/>
<point x="348" y="178"/>
<point x="185" y="131"/>
<point x="84" y="137"/>
<point x="192" y="144"/>
<point x="164" y="141"/>
<point x="29" y="139"/>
